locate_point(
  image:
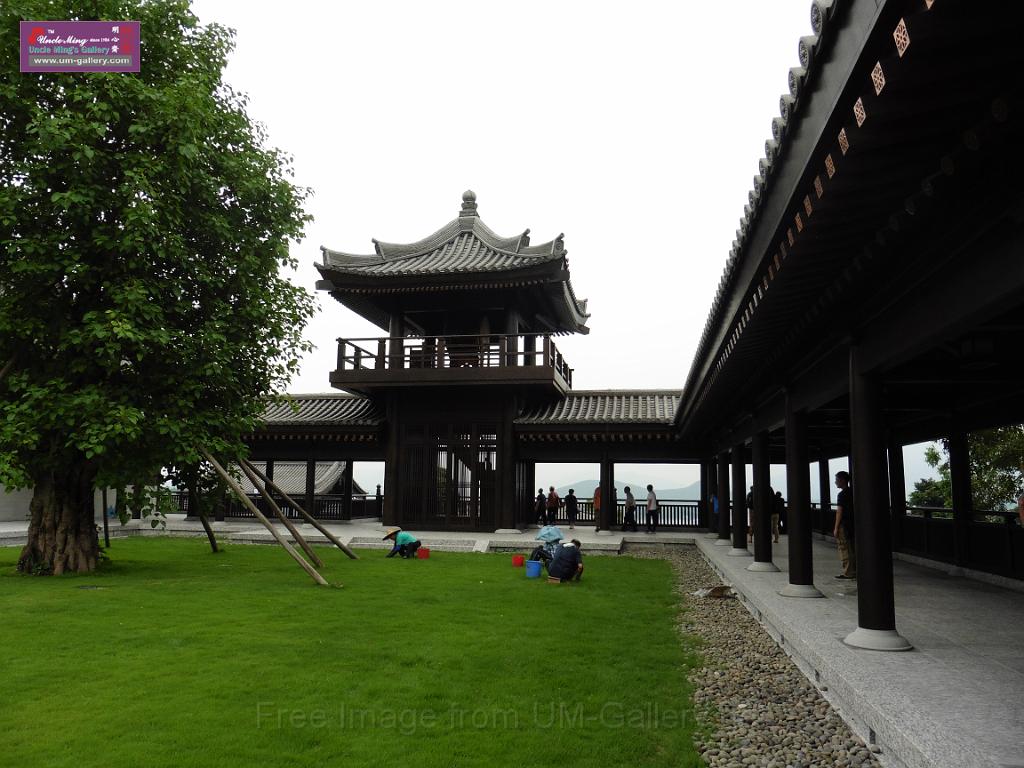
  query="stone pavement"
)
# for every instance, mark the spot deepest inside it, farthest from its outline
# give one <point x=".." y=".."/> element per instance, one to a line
<point x="957" y="699"/>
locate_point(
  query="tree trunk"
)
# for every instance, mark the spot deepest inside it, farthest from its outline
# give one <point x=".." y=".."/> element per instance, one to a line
<point x="62" y="535"/>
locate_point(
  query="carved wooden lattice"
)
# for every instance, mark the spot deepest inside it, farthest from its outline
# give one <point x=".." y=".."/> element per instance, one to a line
<point x="902" y="37"/>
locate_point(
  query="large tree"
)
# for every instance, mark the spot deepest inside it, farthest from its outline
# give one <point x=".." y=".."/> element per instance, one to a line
<point x="144" y="223"/>
<point x="997" y="471"/>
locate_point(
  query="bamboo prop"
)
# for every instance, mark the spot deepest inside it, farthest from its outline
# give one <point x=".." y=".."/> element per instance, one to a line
<point x="305" y="515"/>
<point x="317" y="562"/>
<point x="259" y="516"/>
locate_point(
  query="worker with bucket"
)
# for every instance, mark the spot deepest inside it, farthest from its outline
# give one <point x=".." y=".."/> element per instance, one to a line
<point x="405" y="544"/>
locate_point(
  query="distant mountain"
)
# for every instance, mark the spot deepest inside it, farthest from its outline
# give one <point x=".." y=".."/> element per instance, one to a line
<point x="585" y="489"/>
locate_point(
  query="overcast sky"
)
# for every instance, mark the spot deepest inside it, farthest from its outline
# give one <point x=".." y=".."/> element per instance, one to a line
<point x="633" y="129"/>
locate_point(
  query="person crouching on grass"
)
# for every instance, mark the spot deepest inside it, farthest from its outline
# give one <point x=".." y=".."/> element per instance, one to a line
<point x="405" y="544"/>
<point x="567" y="564"/>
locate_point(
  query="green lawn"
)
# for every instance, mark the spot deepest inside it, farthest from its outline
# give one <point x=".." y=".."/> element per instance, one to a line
<point x="184" y="658"/>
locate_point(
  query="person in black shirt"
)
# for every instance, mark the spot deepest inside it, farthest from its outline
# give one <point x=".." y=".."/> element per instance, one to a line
<point x="843" y="529"/>
<point x="572" y="508"/>
<point x="540" y="507"/>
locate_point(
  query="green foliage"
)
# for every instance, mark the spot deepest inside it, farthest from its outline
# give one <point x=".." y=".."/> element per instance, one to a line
<point x="997" y="470"/>
<point x="211" y="639"/>
<point x="143" y="224"/>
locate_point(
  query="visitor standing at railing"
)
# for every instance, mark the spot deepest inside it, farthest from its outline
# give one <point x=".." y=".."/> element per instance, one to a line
<point x="539" y="506"/>
<point x="553" y="503"/>
<point x="597" y="508"/>
<point x="629" y="519"/>
<point x="1020" y="509"/>
<point x="572" y="507"/>
<point x="652" y="510"/>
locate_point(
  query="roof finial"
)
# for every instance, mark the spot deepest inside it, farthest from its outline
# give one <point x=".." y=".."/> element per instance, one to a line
<point x="468" y="203"/>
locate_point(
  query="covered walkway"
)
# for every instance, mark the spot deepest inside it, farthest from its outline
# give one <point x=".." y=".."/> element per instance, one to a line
<point x="956" y="699"/>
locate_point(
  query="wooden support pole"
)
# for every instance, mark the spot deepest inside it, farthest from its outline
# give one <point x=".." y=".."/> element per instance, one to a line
<point x="798" y="487"/>
<point x="762" y="505"/>
<point x="346" y="490"/>
<point x="960" y="482"/>
<point x="305" y="515"/>
<point x="739" y="502"/>
<point x="897" y="492"/>
<point x="723" y="498"/>
<point x="259" y="516"/>
<point x="876" y="611"/>
<point x="299" y="538"/>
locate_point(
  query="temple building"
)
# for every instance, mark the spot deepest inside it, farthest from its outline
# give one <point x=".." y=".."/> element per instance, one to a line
<point x="468" y="390"/>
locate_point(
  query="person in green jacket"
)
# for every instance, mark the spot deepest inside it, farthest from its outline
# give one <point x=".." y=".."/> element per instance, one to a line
<point x="405" y="544"/>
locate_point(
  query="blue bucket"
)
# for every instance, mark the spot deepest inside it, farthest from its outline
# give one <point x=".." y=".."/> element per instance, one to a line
<point x="532" y="569"/>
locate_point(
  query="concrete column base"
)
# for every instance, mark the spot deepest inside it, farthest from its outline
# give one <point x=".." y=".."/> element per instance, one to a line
<point x="762" y="567"/>
<point x="877" y="640"/>
<point x="800" y="590"/>
<point x="737" y="552"/>
<point x="723" y="542"/>
<point x="604" y="533"/>
<point x="711" y="535"/>
<point x="510" y="530"/>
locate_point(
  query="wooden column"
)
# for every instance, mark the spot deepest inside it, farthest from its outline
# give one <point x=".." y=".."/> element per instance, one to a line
<point x="897" y="492"/>
<point x="723" y="499"/>
<point x="506" y="517"/>
<point x="346" y="490"/>
<point x="530" y="350"/>
<point x="960" y="482"/>
<point x="703" y="511"/>
<point x="396" y="352"/>
<point x="392" y="471"/>
<point x="530" y="514"/>
<point x="876" y="612"/>
<point x="825" y="493"/>
<point x="798" y="487"/>
<point x="311" y="487"/>
<point x="762" y="506"/>
<point x="607" y="517"/>
<point x="511" y="340"/>
<point x="739" y="507"/>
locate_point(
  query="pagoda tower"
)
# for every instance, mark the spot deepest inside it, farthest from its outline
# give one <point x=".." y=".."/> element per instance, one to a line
<point x="470" y="318"/>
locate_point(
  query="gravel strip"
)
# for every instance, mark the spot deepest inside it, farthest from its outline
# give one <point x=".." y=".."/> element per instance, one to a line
<point x="757" y="708"/>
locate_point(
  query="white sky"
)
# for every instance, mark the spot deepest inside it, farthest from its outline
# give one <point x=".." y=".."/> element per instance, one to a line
<point x="634" y="129"/>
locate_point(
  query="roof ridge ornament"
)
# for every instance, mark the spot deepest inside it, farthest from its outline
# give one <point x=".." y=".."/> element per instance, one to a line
<point x="468" y="204"/>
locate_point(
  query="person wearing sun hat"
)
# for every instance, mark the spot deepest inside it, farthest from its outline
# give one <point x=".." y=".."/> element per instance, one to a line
<point x="405" y="544"/>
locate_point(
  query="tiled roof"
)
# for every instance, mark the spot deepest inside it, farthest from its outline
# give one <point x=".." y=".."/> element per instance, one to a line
<point x="464" y="252"/>
<point x="628" y="406"/>
<point x="465" y="244"/>
<point x="327" y="408"/>
<point x="290" y="477"/>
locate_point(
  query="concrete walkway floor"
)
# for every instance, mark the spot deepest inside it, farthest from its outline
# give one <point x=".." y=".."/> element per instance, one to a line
<point x="956" y="699"/>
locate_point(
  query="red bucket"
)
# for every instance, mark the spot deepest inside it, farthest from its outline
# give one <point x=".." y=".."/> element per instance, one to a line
<point x="423" y="553"/>
<point x="518" y="561"/>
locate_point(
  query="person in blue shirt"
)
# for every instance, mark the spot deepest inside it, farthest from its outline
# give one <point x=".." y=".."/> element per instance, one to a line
<point x="405" y="544"/>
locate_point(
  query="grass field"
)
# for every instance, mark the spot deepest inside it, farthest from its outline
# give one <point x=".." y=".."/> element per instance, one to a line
<point x="184" y="658"/>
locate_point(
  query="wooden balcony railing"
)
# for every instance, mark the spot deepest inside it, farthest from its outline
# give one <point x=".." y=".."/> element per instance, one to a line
<point x="459" y="352"/>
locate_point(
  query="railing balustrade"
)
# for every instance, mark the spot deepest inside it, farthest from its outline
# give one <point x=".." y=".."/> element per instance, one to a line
<point x="496" y="350"/>
<point x="328" y="506"/>
<point x="672" y="513"/>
